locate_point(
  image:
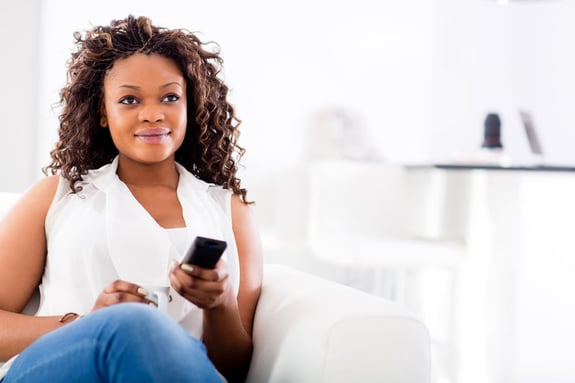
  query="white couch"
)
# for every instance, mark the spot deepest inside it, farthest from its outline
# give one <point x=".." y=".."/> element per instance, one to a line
<point x="308" y="329"/>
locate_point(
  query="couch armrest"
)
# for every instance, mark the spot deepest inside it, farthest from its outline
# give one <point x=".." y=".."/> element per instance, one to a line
<point x="309" y="329"/>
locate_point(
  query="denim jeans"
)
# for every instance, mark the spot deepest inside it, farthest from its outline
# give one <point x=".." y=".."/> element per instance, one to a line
<point x="127" y="342"/>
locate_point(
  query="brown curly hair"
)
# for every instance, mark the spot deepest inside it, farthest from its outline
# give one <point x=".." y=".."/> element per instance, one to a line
<point x="210" y="149"/>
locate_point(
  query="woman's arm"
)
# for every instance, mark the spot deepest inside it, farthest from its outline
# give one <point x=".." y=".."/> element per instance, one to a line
<point x="228" y="337"/>
<point x="18" y="331"/>
<point x="228" y="321"/>
<point x="22" y="259"/>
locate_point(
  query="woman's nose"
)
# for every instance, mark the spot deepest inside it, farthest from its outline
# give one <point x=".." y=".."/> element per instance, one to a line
<point x="151" y="113"/>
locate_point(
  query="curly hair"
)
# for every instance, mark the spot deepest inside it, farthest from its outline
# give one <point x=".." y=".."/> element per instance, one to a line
<point x="210" y="149"/>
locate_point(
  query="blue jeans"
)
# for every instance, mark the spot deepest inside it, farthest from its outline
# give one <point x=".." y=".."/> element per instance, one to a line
<point x="127" y="342"/>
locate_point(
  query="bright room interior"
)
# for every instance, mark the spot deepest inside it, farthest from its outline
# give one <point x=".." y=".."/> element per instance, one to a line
<point x="346" y="107"/>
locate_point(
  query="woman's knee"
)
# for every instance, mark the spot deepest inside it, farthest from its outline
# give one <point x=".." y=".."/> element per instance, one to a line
<point x="136" y="321"/>
<point x="126" y="314"/>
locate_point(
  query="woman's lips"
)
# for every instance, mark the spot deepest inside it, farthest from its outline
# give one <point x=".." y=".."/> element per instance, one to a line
<point x="152" y="135"/>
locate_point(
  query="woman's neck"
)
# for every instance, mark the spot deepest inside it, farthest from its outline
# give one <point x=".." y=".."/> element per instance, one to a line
<point x="135" y="173"/>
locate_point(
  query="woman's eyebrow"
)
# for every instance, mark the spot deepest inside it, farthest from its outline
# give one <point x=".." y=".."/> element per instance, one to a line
<point x="171" y="83"/>
<point x="136" y="87"/>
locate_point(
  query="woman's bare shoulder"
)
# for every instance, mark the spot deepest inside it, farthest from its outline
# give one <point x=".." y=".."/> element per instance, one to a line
<point x="23" y="244"/>
<point x="41" y="193"/>
<point x="32" y="206"/>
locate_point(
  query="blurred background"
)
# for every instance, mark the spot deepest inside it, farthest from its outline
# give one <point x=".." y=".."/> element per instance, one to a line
<point x="347" y="109"/>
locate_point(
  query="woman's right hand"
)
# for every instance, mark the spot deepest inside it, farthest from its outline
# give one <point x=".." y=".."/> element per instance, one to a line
<point x="121" y="291"/>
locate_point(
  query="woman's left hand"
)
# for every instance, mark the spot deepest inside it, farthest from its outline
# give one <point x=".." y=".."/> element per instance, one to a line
<point x="206" y="288"/>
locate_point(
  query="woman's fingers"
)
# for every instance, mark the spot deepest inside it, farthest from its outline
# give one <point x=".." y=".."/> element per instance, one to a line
<point x="121" y="291"/>
<point x="203" y="287"/>
<point x="121" y="286"/>
<point x="218" y="273"/>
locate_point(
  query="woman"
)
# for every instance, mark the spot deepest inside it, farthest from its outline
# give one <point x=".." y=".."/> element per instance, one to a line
<point x="146" y="160"/>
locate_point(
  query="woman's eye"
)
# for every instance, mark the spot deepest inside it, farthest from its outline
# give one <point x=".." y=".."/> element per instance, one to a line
<point x="129" y="100"/>
<point x="171" y="98"/>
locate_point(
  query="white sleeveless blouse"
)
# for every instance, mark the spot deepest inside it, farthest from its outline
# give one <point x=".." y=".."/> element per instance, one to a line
<point x="102" y="233"/>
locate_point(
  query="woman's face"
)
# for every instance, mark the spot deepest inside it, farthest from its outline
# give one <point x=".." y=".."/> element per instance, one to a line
<point x="145" y="107"/>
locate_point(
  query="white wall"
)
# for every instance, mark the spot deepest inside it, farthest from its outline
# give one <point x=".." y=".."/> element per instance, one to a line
<point x="286" y="62"/>
<point x="19" y="26"/>
<point x="420" y="74"/>
<point x="489" y="57"/>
